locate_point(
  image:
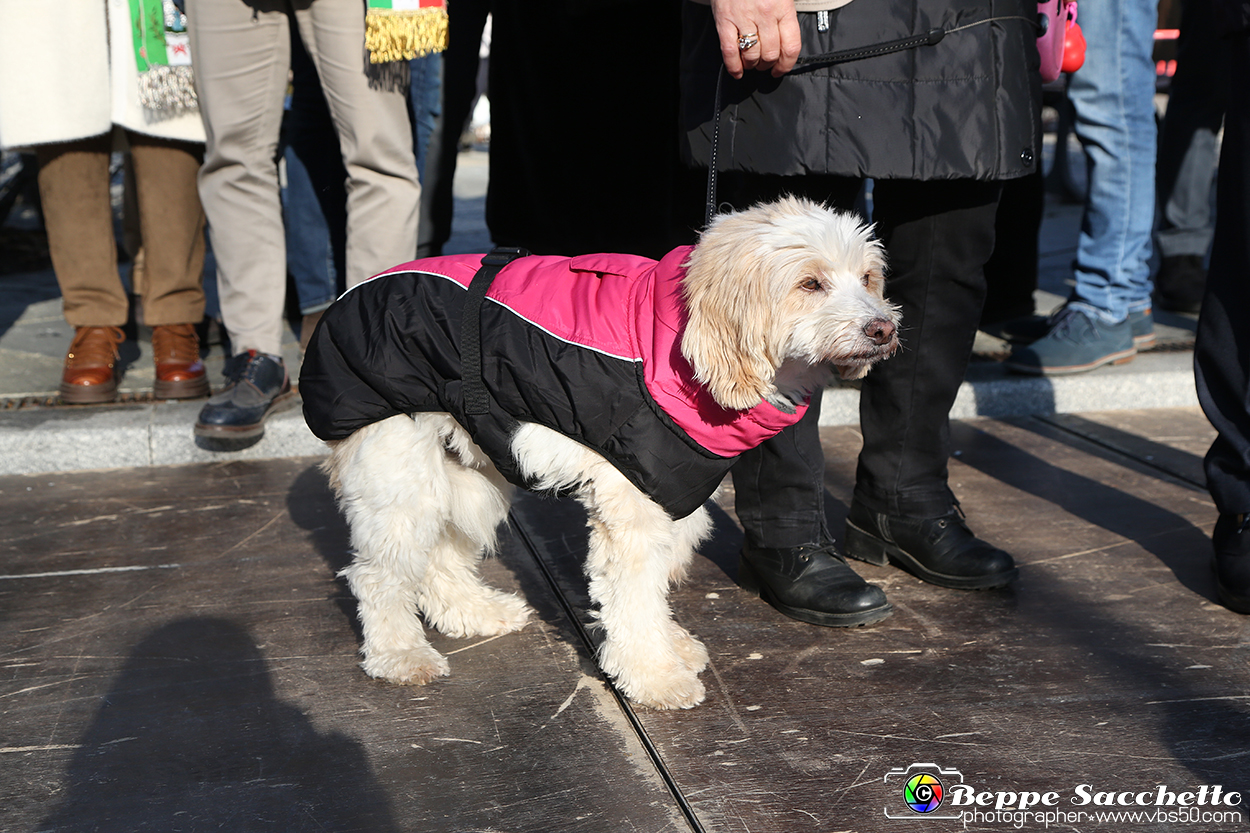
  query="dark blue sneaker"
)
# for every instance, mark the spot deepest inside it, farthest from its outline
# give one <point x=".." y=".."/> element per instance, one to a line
<point x="257" y="385"/>
<point x="1143" y="324"/>
<point x="1033" y="327"/>
<point x="1077" y="342"/>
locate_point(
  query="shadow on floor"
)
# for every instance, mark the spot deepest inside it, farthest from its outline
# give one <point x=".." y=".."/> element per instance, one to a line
<point x="191" y="737"/>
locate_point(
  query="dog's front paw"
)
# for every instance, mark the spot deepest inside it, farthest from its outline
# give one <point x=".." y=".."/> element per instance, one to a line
<point x="678" y="689"/>
<point x="492" y="615"/>
<point x="413" y="667"/>
<point x="651" y="681"/>
<point x="691" y="651"/>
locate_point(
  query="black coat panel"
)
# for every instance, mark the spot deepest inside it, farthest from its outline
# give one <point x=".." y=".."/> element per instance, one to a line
<point x="966" y="107"/>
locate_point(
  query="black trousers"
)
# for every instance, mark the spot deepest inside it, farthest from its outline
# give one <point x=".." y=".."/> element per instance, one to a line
<point x="584" y="153"/>
<point x="458" y="91"/>
<point x="1222" y="348"/>
<point x="1011" y="273"/>
<point x="938" y="236"/>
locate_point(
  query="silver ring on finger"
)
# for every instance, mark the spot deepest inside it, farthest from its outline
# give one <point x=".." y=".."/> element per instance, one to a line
<point x="745" y="42"/>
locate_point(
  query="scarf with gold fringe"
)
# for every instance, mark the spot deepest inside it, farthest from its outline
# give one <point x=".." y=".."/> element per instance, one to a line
<point x="398" y="30"/>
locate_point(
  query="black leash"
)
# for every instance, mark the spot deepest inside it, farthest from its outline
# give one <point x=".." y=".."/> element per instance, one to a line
<point x="476" y="400"/>
<point x="710" y="210"/>
<point x="842" y="56"/>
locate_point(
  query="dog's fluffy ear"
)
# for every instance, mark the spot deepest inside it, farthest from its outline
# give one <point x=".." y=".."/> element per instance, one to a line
<point x="727" y="296"/>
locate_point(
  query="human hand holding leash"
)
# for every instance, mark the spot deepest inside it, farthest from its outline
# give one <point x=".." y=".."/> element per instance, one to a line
<point x="757" y="34"/>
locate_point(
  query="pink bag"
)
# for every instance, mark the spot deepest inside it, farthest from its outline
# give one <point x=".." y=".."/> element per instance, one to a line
<point x="1061" y="44"/>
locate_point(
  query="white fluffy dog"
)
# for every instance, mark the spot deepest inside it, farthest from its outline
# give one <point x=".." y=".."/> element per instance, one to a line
<point x="778" y="298"/>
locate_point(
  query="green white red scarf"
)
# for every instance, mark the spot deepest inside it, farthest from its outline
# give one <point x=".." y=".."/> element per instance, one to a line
<point x="162" y="56"/>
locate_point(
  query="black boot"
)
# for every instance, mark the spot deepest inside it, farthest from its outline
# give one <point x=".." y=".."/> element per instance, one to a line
<point x="812" y="583"/>
<point x="941" y="551"/>
<point x="1232" y="561"/>
<point x="1181" y="281"/>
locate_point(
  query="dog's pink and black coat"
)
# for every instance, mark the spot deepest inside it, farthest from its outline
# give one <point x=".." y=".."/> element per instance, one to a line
<point x="588" y="346"/>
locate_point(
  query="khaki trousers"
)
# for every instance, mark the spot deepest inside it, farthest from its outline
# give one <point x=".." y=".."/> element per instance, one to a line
<point x="78" y="214"/>
<point x="241" y="52"/>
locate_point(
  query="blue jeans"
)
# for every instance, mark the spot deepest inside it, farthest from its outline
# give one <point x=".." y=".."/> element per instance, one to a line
<point x="1113" y="97"/>
<point x="314" y="202"/>
<point x="315" y="253"/>
<point x="424" y="100"/>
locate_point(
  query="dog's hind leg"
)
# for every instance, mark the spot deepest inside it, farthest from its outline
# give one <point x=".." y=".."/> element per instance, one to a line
<point x="420" y="520"/>
<point x="391" y="482"/>
<point x="452" y="595"/>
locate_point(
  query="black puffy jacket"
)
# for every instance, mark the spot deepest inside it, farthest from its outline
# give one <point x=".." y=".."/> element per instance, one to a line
<point x="964" y="108"/>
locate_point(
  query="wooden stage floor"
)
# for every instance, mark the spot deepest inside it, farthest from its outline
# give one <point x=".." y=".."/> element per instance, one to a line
<point x="177" y="655"/>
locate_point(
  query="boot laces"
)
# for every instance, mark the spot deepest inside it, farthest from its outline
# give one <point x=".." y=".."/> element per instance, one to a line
<point x="236" y="366"/>
<point x="1065" y="320"/>
<point x="176" y="342"/>
<point x="94" y="343"/>
<point x="825" y="546"/>
<point x="957" y="512"/>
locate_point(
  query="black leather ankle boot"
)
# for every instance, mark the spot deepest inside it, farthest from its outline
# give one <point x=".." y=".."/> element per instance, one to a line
<point x="941" y="551"/>
<point x="812" y="583"/>
<point x="1232" y="561"/>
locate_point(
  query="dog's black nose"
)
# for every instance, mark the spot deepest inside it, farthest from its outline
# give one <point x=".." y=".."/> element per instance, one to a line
<point x="879" y="330"/>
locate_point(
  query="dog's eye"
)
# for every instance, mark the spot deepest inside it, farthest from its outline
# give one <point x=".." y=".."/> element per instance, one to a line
<point x="866" y="280"/>
<point x="812" y="285"/>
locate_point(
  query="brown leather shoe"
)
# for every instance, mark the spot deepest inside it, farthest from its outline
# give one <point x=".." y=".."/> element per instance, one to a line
<point x="89" y="377"/>
<point x="179" y="372"/>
